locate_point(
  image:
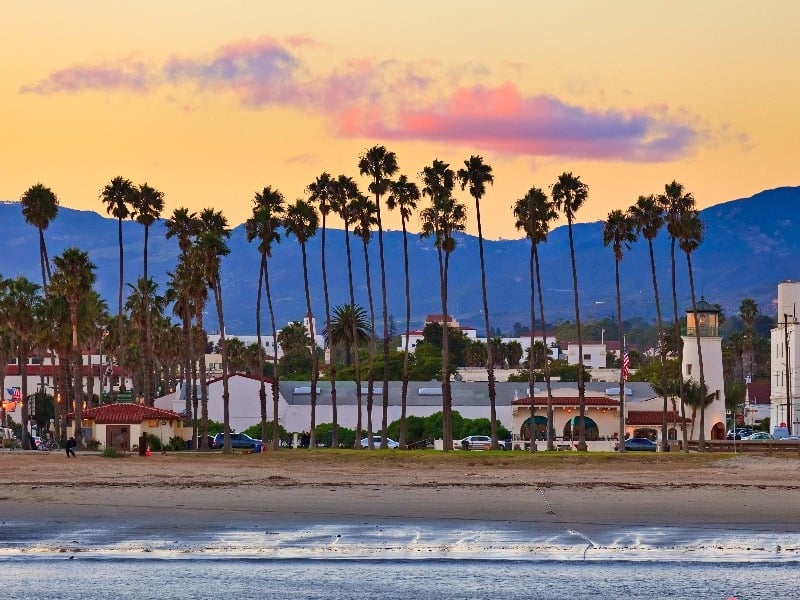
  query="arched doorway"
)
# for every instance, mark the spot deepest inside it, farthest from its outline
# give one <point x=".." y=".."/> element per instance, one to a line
<point x="539" y="428"/>
<point x="572" y="429"/>
<point x="718" y="431"/>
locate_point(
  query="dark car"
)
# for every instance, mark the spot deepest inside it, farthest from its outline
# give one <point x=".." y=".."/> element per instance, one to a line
<point x="212" y="443"/>
<point x="238" y="440"/>
<point x="740" y="433"/>
<point x="639" y="445"/>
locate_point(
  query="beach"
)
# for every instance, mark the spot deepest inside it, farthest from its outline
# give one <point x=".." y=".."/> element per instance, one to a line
<point x="548" y="491"/>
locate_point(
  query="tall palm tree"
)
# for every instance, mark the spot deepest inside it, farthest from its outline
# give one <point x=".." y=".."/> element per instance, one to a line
<point x="380" y="164"/>
<point x="648" y="217"/>
<point x="534" y="213"/>
<point x="40" y="208"/>
<point x="748" y="311"/>
<point x="441" y="220"/>
<point x="404" y="195"/>
<point x="675" y="201"/>
<point x="302" y="221"/>
<point x="119" y="196"/>
<point x="690" y="236"/>
<point x="213" y="246"/>
<point x="321" y="191"/>
<point x="475" y="175"/>
<point x="144" y="303"/>
<point x="364" y="213"/>
<point x="264" y="225"/>
<point x="344" y="197"/>
<point x="73" y="280"/>
<point x="569" y="193"/>
<point x="20" y="304"/>
<point x="618" y="231"/>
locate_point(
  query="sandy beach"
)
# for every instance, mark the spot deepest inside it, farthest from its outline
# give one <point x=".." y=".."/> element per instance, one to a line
<point x="541" y="491"/>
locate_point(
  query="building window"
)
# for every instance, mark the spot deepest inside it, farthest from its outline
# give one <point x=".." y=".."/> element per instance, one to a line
<point x="689" y="369"/>
<point x="587" y="357"/>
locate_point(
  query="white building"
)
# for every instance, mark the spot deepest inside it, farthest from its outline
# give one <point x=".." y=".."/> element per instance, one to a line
<point x="785" y="345"/>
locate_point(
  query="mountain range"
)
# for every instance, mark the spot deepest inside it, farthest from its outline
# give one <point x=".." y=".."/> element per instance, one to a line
<point x="750" y="245"/>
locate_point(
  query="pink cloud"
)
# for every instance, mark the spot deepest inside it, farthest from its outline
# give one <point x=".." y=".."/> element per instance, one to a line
<point x="127" y="76"/>
<point x="504" y="120"/>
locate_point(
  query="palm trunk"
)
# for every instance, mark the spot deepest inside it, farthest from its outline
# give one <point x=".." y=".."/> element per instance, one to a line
<point x="332" y="363"/>
<point x="314" y="366"/>
<point x="404" y="393"/>
<point x="489" y="358"/>
<point x="385" y="390"/>
<point x="371" y="362"/>
<point x="226" y="404"/>
<point x="357" y="443"/>
<point x="550" y="441"/>
<point x="531" y="365"/>
<point x="276" y="432"/>
<point x="120" y="329"/>
<point x="447" y="405"/>
<point x="262" y="392"/>
<point x="27" y="442"/>
<point x="188" y="360"/>
<point x="677" y="329"/>
<point x="203" y="445"/>
<point x="662" y="349"/>
<point x="622" y="357"/>
<point x="581" y="385"/>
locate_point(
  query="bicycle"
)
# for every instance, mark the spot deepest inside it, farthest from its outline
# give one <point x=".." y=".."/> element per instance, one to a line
<point x="49" y="445"/>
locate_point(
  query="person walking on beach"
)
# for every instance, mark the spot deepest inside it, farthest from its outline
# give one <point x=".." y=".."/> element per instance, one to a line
<point x="71" y="443"/>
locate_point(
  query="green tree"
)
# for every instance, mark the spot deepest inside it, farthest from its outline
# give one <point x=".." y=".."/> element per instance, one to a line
<point x="748" y="311"/>
<point x="441" y="220"/>
<point x="344" y="321"/>
<point x="302" y="221"/>
<point x="379" y="164"/>
<point x="475" y="175"/>
<point x="569" y="194"/>
<point x="404" y="195"/>
<point x="618" y="231"/>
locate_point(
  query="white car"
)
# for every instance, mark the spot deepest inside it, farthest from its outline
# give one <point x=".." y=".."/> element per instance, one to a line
<point x="376" y="442"/>
<point x="473" y="442"/>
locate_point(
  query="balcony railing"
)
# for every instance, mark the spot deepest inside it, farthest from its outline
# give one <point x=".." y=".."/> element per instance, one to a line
<point x="706" y="331"/>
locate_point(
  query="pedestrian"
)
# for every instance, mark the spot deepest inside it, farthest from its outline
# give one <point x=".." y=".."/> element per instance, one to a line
<point x="71" y="443"/>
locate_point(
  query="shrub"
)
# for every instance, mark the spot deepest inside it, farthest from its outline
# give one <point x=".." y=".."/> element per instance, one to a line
<point x="93" y="444"/>
<point x="153" y="442"/>
<point x="111" y="452"/>
<point x="176" y="443"/>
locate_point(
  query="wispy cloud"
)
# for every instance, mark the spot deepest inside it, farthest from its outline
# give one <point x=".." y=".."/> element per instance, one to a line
<point x="400" y="101"/>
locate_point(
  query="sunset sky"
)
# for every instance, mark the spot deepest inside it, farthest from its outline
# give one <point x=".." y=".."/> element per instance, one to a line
<point x="212" y="101"/>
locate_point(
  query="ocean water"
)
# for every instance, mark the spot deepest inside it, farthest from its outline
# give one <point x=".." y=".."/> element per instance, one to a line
<point x="392" y="560"/>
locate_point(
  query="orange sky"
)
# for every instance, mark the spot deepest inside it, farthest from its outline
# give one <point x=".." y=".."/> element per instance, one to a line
<point x="211" y="101"/>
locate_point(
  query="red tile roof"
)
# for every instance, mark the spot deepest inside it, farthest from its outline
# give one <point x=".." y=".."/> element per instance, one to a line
<point x="126" y="413"/>
<point x="561" y="401"/>
<point x="651" y="417"/>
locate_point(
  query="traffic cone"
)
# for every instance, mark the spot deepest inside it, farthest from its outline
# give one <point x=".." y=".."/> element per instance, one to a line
<point x="147" y="452"/>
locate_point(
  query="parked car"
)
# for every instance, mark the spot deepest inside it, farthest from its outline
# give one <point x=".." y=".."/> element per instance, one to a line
<point x="740" y="433"/>
<point x="638" y="444"/>
<point x="376" y="442"/>
<point x="473" y="442"/>
<point x="758" y="435"/>
<point x="238" y="440"/>
<point x="212" y="443"/>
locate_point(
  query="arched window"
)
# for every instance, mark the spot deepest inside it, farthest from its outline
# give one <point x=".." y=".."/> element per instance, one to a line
<point x="539" y="428"/>
<point x="572" y="429"/>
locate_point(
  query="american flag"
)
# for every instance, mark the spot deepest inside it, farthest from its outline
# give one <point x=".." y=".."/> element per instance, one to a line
<point x="626" y="365"/>
<point x="15" y="393"/>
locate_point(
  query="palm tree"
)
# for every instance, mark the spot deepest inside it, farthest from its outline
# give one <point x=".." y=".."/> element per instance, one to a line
<point x="674" y="201"/>
<point x="302" y="221"/>
<point x="144" y="303"/>
<point x="345" y="193"/>
<point x="321" y="191"/>
<point x="344" y="321"/>
<point x="475" y="175"/>
<point x="73" y="280"/>
<point x="40" y="208"/>
<point x="119" y="196"/>
<point x="442" y="219"/>
<point x="618" y="231"/>
<point x="569" y="194"/>
<point x="748" y="311"/>
<point x="380" y="164"/>
<point x="534" y="213"/>
<point x="690" y="236"/>
<point x="264" y="225"/>
<point x="364" y="214"/>
<point x="697" y="397"/>
<point x="213" y="246"/>
<point x="20" y="304"/>
<point x="648" y="217"/>
<point x="404" y="195"/>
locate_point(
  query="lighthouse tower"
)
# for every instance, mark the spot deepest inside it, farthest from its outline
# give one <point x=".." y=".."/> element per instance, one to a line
<point x="705" y="324"/>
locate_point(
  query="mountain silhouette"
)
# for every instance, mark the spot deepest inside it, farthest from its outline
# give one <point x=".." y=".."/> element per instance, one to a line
<point x="748" y="248"/>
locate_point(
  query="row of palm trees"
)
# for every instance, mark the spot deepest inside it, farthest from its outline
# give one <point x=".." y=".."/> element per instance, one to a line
<point x="202" y="242"/>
